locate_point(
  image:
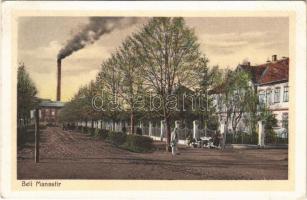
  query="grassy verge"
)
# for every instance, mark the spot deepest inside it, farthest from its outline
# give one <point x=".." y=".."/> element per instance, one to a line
<point x="133" y="143"/>
<point x="138" y="144"/>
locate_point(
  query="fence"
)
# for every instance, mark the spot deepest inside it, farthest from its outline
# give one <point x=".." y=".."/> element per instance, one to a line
<point x="241" y="138"/>
<point x="184" y="133"/>
<point x="206" y="132"/>
<point x="156" y="131"/>
<point x="149" y="130"/>
<point x="275" y="136"/>
<point x="271" y="138"/>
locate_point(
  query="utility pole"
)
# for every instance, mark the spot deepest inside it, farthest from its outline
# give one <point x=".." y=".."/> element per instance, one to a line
<point x="36" y="114"/>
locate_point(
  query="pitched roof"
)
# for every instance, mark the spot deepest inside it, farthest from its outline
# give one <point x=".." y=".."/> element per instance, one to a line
<point x="255" y="71"/>
<point x="218" y="89"/>
<point x="269" y="72"/>
<point x="51" y="104"/>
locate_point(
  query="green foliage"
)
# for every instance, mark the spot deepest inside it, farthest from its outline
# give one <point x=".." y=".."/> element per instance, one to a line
<point x="137" y="143"/>
<point x="116" y="138"/>
<point x="26" y="101"/>
<point x="138" y="131"/>
<point x="103" y="134"/>
<point x="80" y="107"/>
<point x="96" y="132"/>
<point x="213" y="122"/>
<point x="84" y="130"/>
<point x="254" y="137"/>
<point x="239" y="97"/>
<point x="270" y="136"/>
<point x="92" y="131"/>
<point x="185" y="106"/>
<point x="168" y="50"/>
<point x="242" y="138"/>
<point x="26" y="91"/>
<point x="269" y="122"/>
<point x="210" y="78"/>
<point x="124" y="129"/>
<point x="162" y="54"/>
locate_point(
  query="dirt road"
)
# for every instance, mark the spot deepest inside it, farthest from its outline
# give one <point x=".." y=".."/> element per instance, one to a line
<point x="73" y="155"/>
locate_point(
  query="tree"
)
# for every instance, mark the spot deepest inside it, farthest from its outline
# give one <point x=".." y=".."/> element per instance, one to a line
<point x="238" y="97"/>
<point x="76" y="109"/>
<point x="270" y="121"/>
<point x="209" y="78"/>
<point x="26" y="92"/>
<point x="108" y="81"/>
<point x="168" y="51"/>
<point x="129" y="71"/>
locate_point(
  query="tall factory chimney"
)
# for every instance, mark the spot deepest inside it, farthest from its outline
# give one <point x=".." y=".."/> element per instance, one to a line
<point x="58" y="92"/>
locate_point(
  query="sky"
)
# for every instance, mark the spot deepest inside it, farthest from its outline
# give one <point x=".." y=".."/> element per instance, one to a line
<point x="226" y="42"/>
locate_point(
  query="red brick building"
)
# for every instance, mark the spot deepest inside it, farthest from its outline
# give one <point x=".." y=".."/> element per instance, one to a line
<point x="49" y="111"/>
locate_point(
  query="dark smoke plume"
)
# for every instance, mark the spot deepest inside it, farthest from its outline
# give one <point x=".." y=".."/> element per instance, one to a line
<point x="92" y="32"/>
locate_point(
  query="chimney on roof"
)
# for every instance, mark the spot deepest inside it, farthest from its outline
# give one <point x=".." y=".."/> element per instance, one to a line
<point x="274" y="58"/>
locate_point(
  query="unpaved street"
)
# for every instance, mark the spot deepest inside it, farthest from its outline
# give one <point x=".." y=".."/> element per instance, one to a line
<point x="73" y="155"/>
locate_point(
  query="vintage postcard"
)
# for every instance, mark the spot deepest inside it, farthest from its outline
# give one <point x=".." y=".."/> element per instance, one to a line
<point x="154" y="96"/>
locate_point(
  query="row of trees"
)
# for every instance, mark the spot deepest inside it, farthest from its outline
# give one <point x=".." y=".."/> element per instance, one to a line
<point x="163" y="58"/>
<point x="26" y="99"/>
<point x="26" y="92"/>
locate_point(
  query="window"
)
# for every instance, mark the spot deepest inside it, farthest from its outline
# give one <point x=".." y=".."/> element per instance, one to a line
<point x="277" y="95"/>
<point x="261" y="97"/>
<point x="286" y="94"/>
<point x="285" y="120"/>
<point x="268" y="96"/>
<point x="52" y="113"/>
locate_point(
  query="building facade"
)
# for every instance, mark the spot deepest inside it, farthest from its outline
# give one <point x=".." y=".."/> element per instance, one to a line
<point x="272" y="84"/>
<point x="49" y="111"/>
<point x="271" y="81"/>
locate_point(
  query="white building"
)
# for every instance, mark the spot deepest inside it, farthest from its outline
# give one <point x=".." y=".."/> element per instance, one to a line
<point x="271" y="83"/>
<point x="271" y="80"/>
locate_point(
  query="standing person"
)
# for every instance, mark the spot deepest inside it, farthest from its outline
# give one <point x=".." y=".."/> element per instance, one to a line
<point x="174" y="141"/>
<point x="222" y="141"/>
<point x="219" y="140"/>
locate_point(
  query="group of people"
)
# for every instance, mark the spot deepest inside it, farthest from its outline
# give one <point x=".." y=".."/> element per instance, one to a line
<point x="217" y="141"/>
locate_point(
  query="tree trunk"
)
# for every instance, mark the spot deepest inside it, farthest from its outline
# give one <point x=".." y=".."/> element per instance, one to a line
<point x="85" y="128"/>
<point x="225" y="134"/>
<point x="132" y="122"/>
<point x="113" y="125"/>
<point x="168" y="134"/>
<point x="24" y="125"/>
